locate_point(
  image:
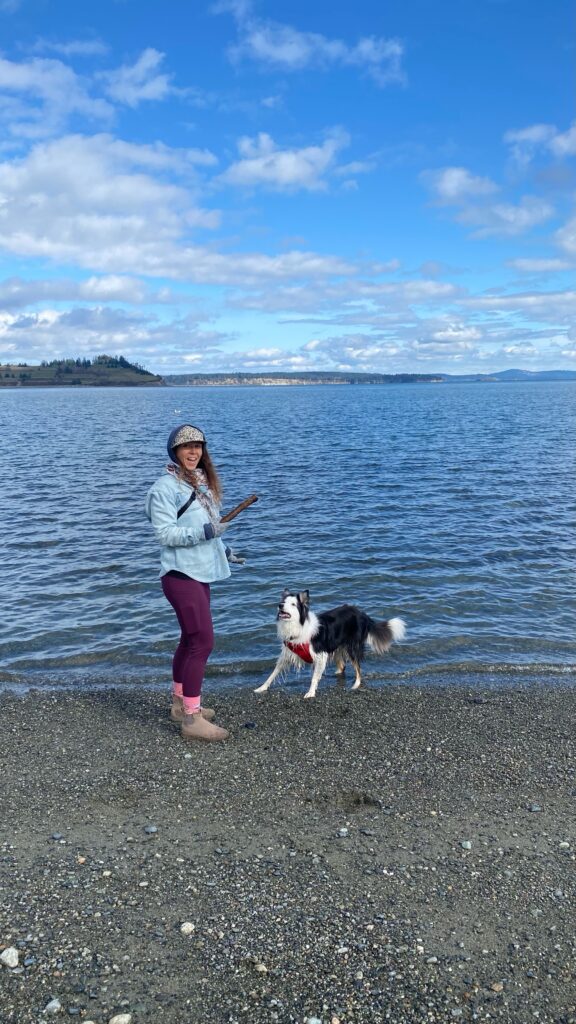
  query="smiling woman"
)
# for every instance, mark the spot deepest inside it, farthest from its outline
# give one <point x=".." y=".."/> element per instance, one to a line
<point x="184" y="509"/>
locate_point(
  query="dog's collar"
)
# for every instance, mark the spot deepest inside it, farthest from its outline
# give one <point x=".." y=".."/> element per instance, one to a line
<point x="302" y="650"/>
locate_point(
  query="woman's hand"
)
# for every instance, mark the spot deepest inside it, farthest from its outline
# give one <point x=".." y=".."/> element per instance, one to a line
<point x="234" y="558"/>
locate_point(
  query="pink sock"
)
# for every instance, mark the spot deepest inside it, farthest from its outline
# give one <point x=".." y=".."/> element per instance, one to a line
<point x="191" y="705"/>
<point x="177" y="689"/>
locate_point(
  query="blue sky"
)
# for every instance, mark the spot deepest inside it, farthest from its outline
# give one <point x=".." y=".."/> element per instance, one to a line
<point x="238" y="185"/>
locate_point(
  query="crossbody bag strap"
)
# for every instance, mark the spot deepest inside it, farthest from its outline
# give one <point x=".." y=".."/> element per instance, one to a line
<point x="182" y="510"/>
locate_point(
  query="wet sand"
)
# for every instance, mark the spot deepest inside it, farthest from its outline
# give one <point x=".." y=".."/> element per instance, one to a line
<point x="403" y="855"/>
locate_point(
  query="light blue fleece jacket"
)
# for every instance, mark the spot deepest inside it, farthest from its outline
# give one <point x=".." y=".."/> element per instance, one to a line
<point x="183" y="544"/>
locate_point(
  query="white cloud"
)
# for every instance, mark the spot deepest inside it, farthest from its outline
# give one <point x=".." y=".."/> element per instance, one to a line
<point x="566" y="237"/>
<point x="507" y="218"/>
<point x="551" y="307"/>
<point x="39" y="96"/>
<point x="73" y="48"/>
<point x="263" y="163"/>
<point x="526" y="142"/>
<point x="456" y="184"/>
<point x="90" y="202"/>
<point x="279" y="46"/>
<point x="131" y="84"/>
<point x="539" y="266"/>
<point x="456" y="333"/>
<point x="52" y="333"/>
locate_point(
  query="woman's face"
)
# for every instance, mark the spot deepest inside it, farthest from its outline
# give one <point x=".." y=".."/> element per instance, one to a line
<point x="189" y="454"/>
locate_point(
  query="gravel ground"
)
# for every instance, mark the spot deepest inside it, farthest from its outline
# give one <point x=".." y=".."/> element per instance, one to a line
<point x="393" y="855"/>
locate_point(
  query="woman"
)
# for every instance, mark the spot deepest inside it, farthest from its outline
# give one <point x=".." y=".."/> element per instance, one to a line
<point x="184" y="509"/>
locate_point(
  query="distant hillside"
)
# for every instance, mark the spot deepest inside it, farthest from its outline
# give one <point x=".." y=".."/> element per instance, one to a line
<point x="514" y="375"/>
<point x="287" y="378"/>
<point x="309" y="377"/>
<point x="103" y="371"/>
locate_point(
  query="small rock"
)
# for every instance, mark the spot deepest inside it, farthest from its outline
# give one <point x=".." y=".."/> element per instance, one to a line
<point x="187" y="928"/>
<point x="57" y="836"/>
<point x="261" y="968"/>
<point x="313" y="1020"/>
<point x="249" y="725"/>
<point x="54" y="1006"/>
<point x="342" y="833"/>
<point x="432" y="960"/>
<point x="534" y="808"/>
<point x="150" y="830"/>
<point x="564" y="846"/>
<point x="121" y="1018"/>
<point x="497" y="986"/>
<point x="466" y="844"/>
<point x="10" y="957"/>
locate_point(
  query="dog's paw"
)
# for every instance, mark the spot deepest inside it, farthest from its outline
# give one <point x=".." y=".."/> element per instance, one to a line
<point x="310" y="695"/>
<point x="261" y="689"/>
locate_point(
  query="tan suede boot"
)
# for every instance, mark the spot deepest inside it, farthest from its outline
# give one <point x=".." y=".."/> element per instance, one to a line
<point x="195" y="727"/>
<point x="177" y="711"/>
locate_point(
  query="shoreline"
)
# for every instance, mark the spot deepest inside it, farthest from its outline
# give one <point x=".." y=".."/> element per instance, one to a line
<point x="223" y="682"/>
<point x="401" y="854"/>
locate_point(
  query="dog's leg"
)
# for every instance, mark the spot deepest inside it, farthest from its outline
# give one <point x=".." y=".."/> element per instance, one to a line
<point x="320" y="662"/>
<point x="358" y="679"/>
<point x="280" y="667"/>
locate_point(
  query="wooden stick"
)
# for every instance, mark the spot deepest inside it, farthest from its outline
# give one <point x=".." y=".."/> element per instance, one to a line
<point x="239" y="508"/>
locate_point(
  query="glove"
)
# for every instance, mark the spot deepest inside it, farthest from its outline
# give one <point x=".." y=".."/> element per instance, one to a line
<point x="211" y="530"/>
<point x="233" y="558"/>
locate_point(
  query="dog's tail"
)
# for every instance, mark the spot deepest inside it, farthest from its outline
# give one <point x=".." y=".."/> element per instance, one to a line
<point x="382" y="635"/>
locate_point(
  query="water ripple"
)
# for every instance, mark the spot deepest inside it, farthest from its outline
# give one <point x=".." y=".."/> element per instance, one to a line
<point x="451" y="506"/>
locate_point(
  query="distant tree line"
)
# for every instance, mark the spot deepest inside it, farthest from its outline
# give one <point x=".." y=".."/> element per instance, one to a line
<point x="108" y="362"/>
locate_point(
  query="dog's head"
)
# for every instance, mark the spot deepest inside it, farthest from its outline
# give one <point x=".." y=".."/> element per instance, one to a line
<point x="293" y="608"/>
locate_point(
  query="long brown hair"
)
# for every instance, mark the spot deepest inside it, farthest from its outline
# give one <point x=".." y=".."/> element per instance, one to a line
<point x="211" y="474"/>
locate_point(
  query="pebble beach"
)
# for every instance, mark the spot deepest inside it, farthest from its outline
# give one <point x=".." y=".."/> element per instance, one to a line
<point x="396" y="854"/>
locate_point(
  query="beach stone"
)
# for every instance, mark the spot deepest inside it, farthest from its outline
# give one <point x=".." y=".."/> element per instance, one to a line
<point x="10" y="957"/>
<point x="121" y="1018"/>
<point x="187" y="928"/>
<point x="466" y="844"/>
<point x="54" y="1006"/>
<point x="342" y="833"/>
<point x="150" y="830"/>
<point x="534" y="808"/>
<point x="56" y="836"/>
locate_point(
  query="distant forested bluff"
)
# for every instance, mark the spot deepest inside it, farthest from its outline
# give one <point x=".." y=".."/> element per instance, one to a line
<point x="116" y="371"/>
<point x="102" y="371"/>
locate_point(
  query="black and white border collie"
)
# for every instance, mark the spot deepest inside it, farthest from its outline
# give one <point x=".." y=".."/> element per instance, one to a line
<point x="340" y="634"/>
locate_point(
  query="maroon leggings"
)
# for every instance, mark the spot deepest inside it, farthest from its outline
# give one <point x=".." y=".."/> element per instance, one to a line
<point x="191" y="602"/>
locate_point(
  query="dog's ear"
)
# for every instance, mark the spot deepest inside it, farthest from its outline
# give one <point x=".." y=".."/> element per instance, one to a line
<point x="304" y="597"/>
<point x="284" y="593"/>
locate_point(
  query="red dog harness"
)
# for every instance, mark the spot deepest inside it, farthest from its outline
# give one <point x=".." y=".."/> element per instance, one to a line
<point x="302" y="650"/>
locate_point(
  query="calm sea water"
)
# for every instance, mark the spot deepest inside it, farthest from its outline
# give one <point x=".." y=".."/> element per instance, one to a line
<point x="452" y="506"/>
